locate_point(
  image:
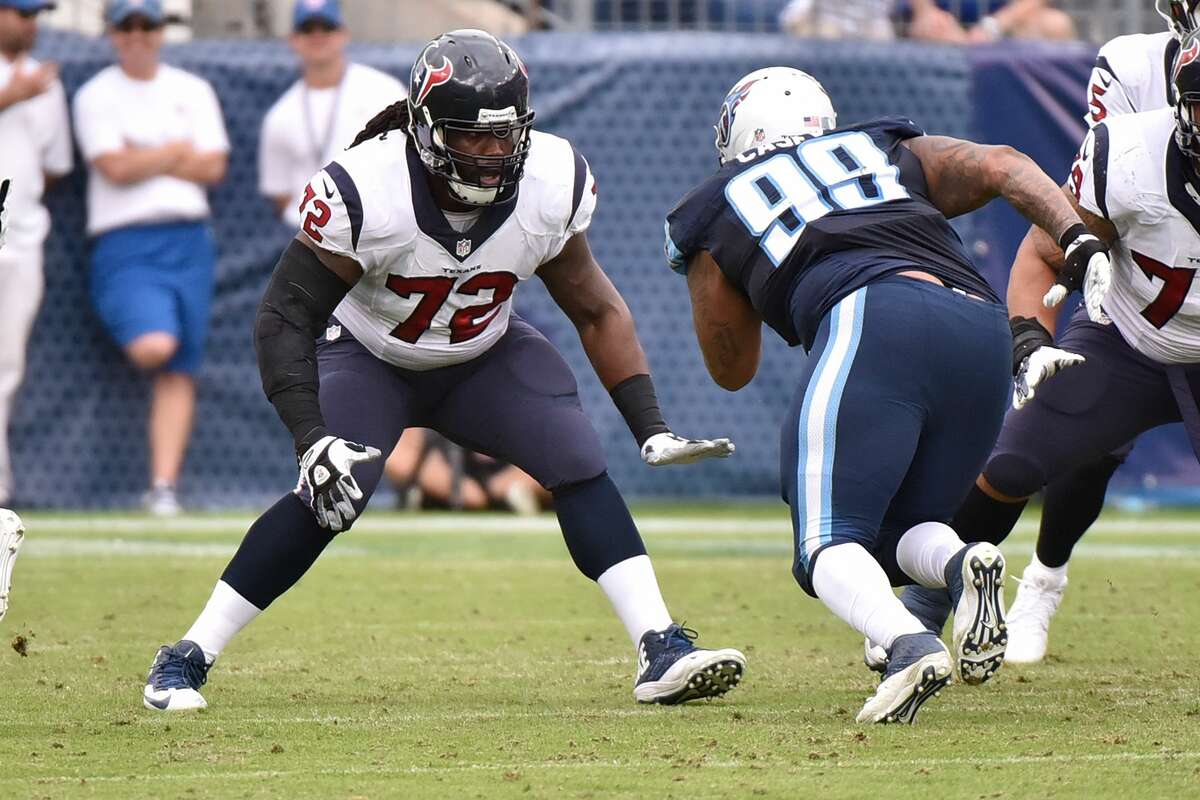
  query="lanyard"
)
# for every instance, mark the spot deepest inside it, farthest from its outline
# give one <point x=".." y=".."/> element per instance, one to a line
<point x="319" y="147"/>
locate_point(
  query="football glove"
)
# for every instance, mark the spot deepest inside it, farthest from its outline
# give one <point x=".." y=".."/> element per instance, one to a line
<point x="667" y="448"/>
<point x="1087" y="269"/>
<point x="4" y="184"/>
<point x="327" y="483"/>
<point x="1040" y="365"/>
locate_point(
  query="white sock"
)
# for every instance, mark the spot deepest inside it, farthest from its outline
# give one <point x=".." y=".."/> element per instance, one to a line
<point x="633" y="590"/>
<point x="853" y="585"/>
<point x="925" y="549"/>
<point x="226" y="613"/>
<point x="1058" y="573"/>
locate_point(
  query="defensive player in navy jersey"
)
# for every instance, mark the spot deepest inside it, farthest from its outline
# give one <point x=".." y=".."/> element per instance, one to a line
<point x="393" y="308"/>
<point x="837" y="238"/>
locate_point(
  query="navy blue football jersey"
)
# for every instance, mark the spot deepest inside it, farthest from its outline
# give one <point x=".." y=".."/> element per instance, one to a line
<point x="800" y="223"/>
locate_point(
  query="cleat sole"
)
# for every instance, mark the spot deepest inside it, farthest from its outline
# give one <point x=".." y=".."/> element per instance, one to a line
<point x="980" y="631"/>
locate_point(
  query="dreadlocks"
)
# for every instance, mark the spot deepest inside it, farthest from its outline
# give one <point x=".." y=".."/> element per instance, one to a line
<point x="394" y="117"/>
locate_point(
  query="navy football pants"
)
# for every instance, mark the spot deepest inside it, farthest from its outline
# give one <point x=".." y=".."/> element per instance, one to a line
<point x="898" y="407"/>
<point x="518" y="402"/>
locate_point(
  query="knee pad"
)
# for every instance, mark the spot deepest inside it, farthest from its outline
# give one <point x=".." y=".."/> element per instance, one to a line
<point x="1015" y="475"/>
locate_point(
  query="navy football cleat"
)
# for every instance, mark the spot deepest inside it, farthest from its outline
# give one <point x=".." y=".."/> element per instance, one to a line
<point x="672" y="670"/>
<point x="918" y="667"/>
<point x="175" y="678"/>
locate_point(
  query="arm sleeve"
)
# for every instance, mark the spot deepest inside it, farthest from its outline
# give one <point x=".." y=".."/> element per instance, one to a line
<point x="208" y="124"/>
<point x="96" y="127"/>
<point x="297" y="304"/>
<point x="57" y="158"/>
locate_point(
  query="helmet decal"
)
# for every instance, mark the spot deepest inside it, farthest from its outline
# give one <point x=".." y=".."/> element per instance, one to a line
<point x="1187" y="56"/>
<point x="729" y="110"/>
<point x="434" y="77"/>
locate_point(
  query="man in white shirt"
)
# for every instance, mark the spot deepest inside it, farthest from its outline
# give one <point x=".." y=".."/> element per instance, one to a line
<point x="154" y="140"/>
<point x="319" y="115"/>
<point x="36" y="144"/>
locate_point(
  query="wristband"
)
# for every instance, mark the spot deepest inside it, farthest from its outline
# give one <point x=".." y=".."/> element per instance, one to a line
<point x="635" y="399"/>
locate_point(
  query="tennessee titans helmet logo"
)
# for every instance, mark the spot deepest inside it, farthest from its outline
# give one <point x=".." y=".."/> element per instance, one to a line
<point x="729" y="110"/>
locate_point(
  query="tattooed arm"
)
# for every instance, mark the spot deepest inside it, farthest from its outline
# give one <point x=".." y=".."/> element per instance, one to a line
<point x="727" y="326"/>
<point x="963" y="176"/>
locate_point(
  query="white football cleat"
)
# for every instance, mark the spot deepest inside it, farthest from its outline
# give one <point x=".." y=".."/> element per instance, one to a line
<point x="919" y="666"/>
<point x="12" y="533"/>
<point x="672" y="670"/>
<point x="1038" y="598"/>
<point x="975" y="578"/>
<point x="175" y="678"/>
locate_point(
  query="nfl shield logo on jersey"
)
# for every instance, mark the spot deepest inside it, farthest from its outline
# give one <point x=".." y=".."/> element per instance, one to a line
<point x="463" y="249"/>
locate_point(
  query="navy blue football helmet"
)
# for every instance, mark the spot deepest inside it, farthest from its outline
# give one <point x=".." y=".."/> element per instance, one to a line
<point x="468" y="81"/>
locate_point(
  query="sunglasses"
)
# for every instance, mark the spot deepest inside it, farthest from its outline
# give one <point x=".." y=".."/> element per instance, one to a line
<point x="135" y="23"/>
<point x="28" y="13"/>
<point x="313" y="25"/>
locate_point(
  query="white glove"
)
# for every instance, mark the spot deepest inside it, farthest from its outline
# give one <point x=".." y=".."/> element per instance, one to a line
<point x="1088" y="269"/>
<point x="1040" y="365"/>
<point x="4" y="184"/>
<point x="326" y="482"/>
<point x="667" y="448"/>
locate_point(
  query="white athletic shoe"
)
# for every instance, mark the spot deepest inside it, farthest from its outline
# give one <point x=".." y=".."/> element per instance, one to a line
<point x="175" y="678"/>
<point x="975" y="578"/>
<point x="12" y="533"/>
<point x="672" y="670"/>
<point x="160" y="500"/>
<point x="1029" y="618"/>
<point x="919" y="666"/>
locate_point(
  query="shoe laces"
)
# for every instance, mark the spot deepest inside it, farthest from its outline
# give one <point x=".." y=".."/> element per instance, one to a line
<point x="179" y="672"/>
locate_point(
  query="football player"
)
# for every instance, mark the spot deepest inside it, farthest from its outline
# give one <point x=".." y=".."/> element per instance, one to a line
<point x="1132" y="74"/>
<point x="393" y="308"/>
<point x="838" y="239"/>
<point x="1135" y="181"/>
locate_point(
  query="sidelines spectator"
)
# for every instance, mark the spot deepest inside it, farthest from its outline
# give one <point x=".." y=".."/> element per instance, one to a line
<point x="319" y="115"/>
<point x="975" y="21"/>
<point x="154" y="138"/>
<point x="35" y="143"/>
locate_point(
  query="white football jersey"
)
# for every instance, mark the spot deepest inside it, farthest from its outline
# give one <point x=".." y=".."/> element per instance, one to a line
<point x="1132" y="75"/>
<point x="430" y="296"/>
<point x="1131" y="172"/>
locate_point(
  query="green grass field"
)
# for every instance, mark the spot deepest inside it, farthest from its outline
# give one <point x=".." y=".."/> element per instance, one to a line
<point x="450" y="656"/>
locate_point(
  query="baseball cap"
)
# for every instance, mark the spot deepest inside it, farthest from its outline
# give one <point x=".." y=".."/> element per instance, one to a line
<point x="118" y="10"/>
<point x="325" y="10"/>
<point x="28" y="5"/>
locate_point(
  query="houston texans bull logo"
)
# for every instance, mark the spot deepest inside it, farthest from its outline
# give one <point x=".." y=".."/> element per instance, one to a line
<point x="729" y="109"/>
<point x="433" y="77"/>
<point x="1187" y="56"/>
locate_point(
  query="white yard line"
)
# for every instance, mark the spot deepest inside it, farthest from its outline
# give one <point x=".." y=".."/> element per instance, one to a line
<point x="822" y="765"/>
<point x="472" y="524"/>
<point x="60" y="547"/>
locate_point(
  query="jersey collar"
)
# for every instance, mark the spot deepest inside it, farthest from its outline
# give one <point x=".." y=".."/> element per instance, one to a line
<point x="432" y="221"/>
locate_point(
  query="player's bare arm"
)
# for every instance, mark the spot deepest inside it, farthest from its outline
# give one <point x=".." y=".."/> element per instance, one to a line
<point x="964" y="176"/>
<point x="727" y="326"/>
<point x="593" y="304"/>
<point x="596" y="308"/>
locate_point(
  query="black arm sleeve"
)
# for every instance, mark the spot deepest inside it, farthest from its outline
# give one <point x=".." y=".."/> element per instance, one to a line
<point x="637" y="401"/>
<point x="301" y="296"/>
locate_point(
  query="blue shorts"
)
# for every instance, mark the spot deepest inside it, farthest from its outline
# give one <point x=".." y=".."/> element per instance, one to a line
<point x="898" y="407"/>
<point x="156" y="278"/>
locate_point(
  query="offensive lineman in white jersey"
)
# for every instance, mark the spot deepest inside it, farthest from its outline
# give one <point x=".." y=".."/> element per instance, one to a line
<point x="411" y="245"/>
<point x="1136" y="182"/>
<point x="1132" y="74"/>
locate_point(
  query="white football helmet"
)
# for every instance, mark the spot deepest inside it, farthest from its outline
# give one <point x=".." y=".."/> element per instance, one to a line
<point x="1180" y="15"/>
<point x="771" y="103"/>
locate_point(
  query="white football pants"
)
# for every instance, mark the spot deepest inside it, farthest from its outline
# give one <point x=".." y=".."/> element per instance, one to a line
<point x="21" y="287"/>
